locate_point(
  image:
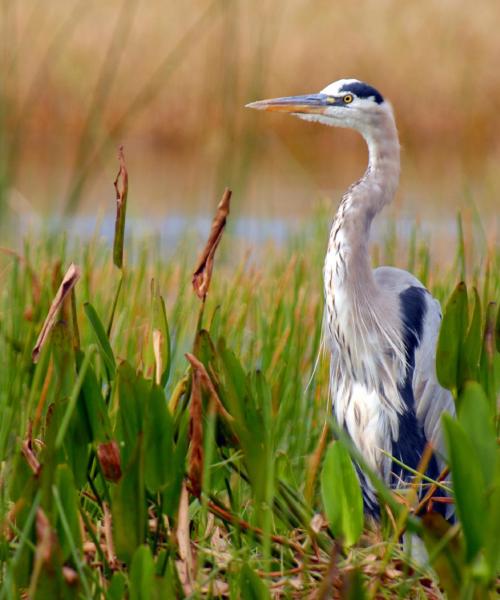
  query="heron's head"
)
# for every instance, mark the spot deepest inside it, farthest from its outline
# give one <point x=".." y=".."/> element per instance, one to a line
<point x="344" y="103"/>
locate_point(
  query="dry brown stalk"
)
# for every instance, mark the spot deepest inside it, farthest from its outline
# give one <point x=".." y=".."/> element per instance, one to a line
<point x="432" y="490"/>
<point x="203" y="270"/>
<point x="185" y="566"/>
<point x="229" y="517"/>
<point x="108" y="537"/>
<point x="67" y="284"/>
<point x="332" y="581"/>
<point x="196" y="435"/>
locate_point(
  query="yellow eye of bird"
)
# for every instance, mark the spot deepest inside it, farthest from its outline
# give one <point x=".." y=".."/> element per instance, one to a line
<point x="347" y="99"/>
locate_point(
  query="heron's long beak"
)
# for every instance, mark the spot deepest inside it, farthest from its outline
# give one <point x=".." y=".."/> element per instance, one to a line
<point x="310" y="103"/>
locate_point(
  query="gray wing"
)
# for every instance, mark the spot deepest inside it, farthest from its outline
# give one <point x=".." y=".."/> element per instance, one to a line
<point x="422" y="313"/>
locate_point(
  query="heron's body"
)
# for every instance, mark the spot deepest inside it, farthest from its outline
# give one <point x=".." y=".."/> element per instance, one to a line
<point x="381" y="325"/>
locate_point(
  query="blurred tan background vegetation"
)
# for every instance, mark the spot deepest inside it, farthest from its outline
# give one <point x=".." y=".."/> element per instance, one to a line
<point x="169" y="80"/>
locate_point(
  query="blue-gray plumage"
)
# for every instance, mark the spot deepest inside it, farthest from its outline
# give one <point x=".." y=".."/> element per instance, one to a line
<point x="381" y="325"/>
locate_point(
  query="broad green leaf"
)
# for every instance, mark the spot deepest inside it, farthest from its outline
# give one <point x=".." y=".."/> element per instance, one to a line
<point x="172" y="490"/>
<point x="101" y="338"/>
<point x="235" y="380"/>
<point x="474" y="416"/>
<point x="451" y="337"/>
<point x="252" y="587"/>
<point x="492" y="534"/>
<point x="468" y="484"/>
<point x="471" y="350"/>
<point x="78" y="435"/>
<point x="247" y="420"/>
<point x="158" y="436"/>
<point x="355" y="589"/>
<point x="341" y="494"/>
<point x="93" y="405"/>
<point x="487" y="365"/>
<point x="142" y="574"/>
<point x="65" y="485"/>
<point x="117" y="587"/>
<point x="128" y="506"/>
<point x="132" y="392"/>
<point x="383" y="492"/>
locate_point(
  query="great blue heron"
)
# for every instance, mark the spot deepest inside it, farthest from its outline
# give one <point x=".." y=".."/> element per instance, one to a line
<point x="381" y="325"/>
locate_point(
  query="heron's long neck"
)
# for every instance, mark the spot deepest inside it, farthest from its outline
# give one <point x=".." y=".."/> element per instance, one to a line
<point x="348" y="261"/>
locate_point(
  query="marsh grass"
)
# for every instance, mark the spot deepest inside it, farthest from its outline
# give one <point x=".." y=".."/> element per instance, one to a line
<point x="127" y="469"/>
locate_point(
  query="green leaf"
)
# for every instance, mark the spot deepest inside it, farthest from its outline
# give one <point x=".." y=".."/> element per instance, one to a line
<point x="69" y="501"/>
<point x="471" y="350"/>
<point x="117" y="586"/>
<point x="341" y="494"/>
<point x="158" y="436"/>
<point x="128" y="506"/>
<point x="492" y="550"/>
<point x="235" y="380"/>
<point x="252" y="587"/>
<point x="487" y="365"/>
<point x="142" y="574"/>
<point x="468" y="484"/>
<point x="451" y="336"/>
<point x="93" y="405"/>
<point x="355" y="587"/>
<point x="172" y="490"/>
<point x="132" y="392"/>
<point x="101" y="338"/>
<point x="497" y="330"/>
<point x="474" y="416"/>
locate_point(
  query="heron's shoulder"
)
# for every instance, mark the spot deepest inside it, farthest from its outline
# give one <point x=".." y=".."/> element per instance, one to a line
<point x="410" y="290"/>
<point x="395" y="280"/>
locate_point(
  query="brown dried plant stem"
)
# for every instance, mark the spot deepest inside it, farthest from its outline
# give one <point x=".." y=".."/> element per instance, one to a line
<point x="232" y="519"/>
<point x="202" y="274"/>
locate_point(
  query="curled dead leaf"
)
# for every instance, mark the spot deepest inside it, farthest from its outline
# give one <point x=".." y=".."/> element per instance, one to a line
<point x="67" y="284"/>
<point x="203" y="270"/>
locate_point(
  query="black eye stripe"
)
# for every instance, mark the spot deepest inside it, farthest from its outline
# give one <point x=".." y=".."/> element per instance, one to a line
<point x="362" y="90"/>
